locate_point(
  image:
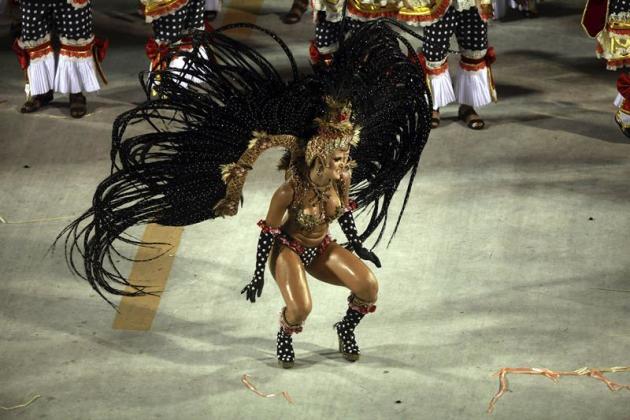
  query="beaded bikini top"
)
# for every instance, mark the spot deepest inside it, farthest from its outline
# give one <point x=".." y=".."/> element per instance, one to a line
<point x="310" y="222"/>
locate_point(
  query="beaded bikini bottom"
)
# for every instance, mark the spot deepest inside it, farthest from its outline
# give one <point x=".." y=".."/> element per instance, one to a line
<point x="306" y="254"/>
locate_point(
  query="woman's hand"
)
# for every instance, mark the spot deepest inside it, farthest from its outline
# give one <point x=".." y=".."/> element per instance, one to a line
<point x="253" y="289"/>
<point x="367" y="255"/>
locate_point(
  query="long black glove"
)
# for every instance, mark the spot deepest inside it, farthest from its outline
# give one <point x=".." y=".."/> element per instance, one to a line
<point x="265" y="242"/>
<point x="346" y="221"/>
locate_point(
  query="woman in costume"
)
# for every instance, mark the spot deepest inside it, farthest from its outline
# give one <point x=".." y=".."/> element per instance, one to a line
<point x="350" y="134"/>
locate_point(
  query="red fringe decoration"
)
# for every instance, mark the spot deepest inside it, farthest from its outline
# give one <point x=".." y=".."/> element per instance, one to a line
<point x="100" y="47"/>
<point x="352" y="205"/>
<point x="22" y="54"/>
<point x="490" y="57"/>
<point x="155" y="52"/>
<point x="316" y="57"/>
<point x="268" y="229"/>
<point x="623" y="87"/>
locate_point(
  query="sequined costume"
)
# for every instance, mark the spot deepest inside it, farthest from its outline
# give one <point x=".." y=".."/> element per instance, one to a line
<point x="441" y="19"/>
<point x="608" y="21"/>
<point x="371" y="105"/>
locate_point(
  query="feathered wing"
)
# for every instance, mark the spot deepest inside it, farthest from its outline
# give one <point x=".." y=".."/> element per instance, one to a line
<point x="182" y="167"/>
<point x="377" y="69"/>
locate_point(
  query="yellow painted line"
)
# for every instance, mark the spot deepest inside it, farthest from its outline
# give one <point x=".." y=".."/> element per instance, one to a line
<point x="241" y="11"/>
<point x="138" y="313"/>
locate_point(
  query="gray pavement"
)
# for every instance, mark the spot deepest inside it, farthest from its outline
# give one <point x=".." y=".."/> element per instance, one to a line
<point x="513" y="252"/>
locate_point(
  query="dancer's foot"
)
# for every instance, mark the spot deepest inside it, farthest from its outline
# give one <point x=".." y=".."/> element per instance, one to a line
<point x="348" y="346"/>
<point x="295" y="13"/>
<point x="36" y="102"/>
<point x="435" y="118"/>
<point x="78" y="106"/>
<point x="469" y="116"/>
<point x="284" y="350"/>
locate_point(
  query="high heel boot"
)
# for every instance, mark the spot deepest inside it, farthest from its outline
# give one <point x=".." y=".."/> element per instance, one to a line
<point x="357" y="309"/>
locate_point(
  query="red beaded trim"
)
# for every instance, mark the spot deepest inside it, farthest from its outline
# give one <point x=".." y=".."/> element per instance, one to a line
<point x="363" y="309"/>
<point x="432" y="71"/>
<point x="79" y="3"/>
<point x="473" y="67"/>
<point x="288" y="328"/>
<point x="40" y="50"/>
<point x="352" y="206"/>
<point x="76" y="51"/>
<point x="615" y="64"/>
<point x="317" y="57"/>
<point x="268" y="229"/>
<point x="473" y="64"/>
<point x="360" y="306"/>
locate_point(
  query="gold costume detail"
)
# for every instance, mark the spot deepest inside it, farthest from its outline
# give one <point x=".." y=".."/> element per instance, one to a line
<point x="235" y="174"/>
<point x="154" y="9"/>
<point x="618" y="24"/>
<point x="335" y="132"/>
<point x="416" y="12"/>
<point x="614" y="48"/>
<point x="301" y="187"/>
<point x="409" y="7"/>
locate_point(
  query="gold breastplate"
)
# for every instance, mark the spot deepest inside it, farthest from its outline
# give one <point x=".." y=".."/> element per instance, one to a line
<point x="310" y="222"/>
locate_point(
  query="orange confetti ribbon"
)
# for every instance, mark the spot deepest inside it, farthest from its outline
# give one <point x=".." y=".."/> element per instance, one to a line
<point x="554" y="376"/>
<point x="252" y="387"/>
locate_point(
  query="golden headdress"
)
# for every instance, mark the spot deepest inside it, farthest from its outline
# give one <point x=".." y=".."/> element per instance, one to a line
<point x="335" y="131"/>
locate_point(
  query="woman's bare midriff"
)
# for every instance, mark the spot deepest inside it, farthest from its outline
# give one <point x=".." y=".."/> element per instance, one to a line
<point x="308" y="239"/>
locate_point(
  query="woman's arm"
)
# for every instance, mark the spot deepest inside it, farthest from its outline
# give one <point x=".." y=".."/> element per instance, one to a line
<point x="349" y="228"/>
<point x="270" y="228"/>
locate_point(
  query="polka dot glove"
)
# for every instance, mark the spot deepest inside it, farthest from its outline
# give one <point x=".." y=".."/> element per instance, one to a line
<point x="265" y="242"/>
<point x="346" y="221"/>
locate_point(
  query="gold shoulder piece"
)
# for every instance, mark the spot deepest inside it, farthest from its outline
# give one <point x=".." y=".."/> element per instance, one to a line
<point x="235" y="174"/>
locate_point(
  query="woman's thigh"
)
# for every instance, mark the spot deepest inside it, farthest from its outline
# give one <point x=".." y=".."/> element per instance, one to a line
<point x="288" y="271"/>
<point x="341" y="267"/>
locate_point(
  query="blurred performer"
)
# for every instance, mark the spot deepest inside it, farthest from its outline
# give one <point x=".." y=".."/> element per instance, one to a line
<point x="213" y="7"/>
<point x="80" y="53"/>
<point x="466" y="19"/>
<point x="173" y="22"/>
<point x="298" y="8"/>
<point x="527" y="8"/>
<point x="608" y="21"/>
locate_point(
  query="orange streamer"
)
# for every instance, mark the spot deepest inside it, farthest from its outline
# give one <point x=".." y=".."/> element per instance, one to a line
<point x="252" y="387"/>
<point x="554" y="376"/>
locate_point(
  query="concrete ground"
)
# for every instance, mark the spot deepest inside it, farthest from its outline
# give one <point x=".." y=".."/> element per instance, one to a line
<point x="513" y="252"/>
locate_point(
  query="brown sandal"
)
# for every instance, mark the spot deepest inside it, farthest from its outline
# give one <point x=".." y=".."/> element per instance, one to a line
<point x="295" y="14"/>
<point x="467" y="114"/>
<point x="36" y="102"/>
<point x="435" y="118"/>
<point x="78" y="106"/>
